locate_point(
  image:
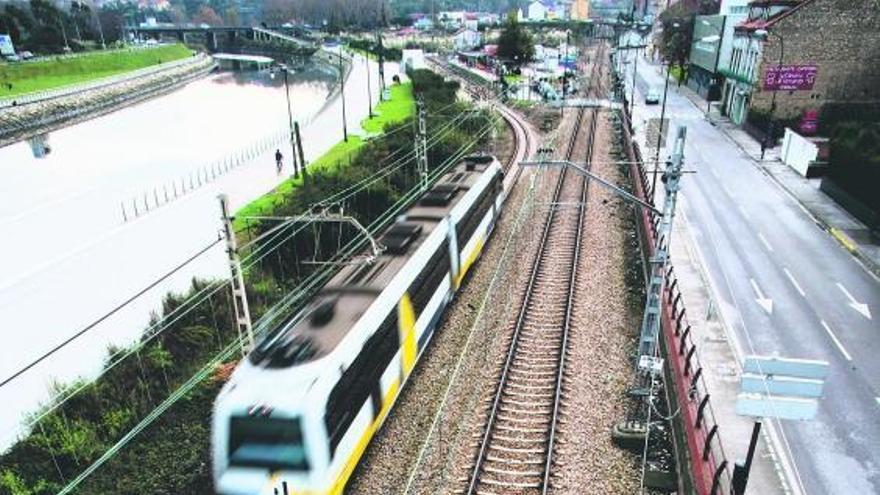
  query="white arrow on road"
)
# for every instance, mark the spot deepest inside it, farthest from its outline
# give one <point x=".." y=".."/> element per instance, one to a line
<point x="860" y="307"/>
<point x="764" y="302"/>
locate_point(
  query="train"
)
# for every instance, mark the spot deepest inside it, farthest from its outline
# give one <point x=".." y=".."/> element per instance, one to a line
<point x="299" y="410"/>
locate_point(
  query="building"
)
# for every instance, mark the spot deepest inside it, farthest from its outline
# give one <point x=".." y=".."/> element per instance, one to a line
<point x="712" y="47"/>
<point x="791" y="57"/>
<point x="580" y="10"/>
<point x="451" y="19"/>
<point x="542" y="10"/>
<point x="413" y="59"/>
<point x="467" y="39"/>
<point x="536" y="11"/>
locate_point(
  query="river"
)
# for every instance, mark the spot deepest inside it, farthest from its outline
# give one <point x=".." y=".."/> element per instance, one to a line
<point x="72" y="248"/>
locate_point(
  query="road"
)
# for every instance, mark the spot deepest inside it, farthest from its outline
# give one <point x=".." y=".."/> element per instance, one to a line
<point x="787" y="288"/>
<point x="75" y="258"/>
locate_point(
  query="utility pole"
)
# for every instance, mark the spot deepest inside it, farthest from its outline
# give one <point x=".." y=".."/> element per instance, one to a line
<point x="421" y="144"/>
<point x="369" y="88"/>
<point x="381" y="57"/>
<point x="290" y="123"/>
<point x="342" y="95"/>
<point x="651" y="320"/>
<point x="239" y="295"/>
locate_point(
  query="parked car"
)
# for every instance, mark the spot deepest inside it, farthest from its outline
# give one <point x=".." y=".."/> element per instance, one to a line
<point x="12" y="58"/>
<point x="26" y="55"/>
<point x="652" y="97"/>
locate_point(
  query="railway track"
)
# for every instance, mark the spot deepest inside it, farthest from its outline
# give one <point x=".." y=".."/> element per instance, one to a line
<point x="517" y="441"/>
<point x="523" y="138"/>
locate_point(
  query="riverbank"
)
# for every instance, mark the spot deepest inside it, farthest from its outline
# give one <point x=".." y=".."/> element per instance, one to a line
<point x="23" y="122"/>
<point x="19" y="79"/>
<point x="172" y="455"/>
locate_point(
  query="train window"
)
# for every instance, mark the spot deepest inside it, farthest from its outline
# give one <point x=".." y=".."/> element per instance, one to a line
<point x="283" y="348"/>
<point x="271" y="443"/>
<point x="466" y="227"/>
<point x="360" y="379"/>
<point x="426" y="283"/>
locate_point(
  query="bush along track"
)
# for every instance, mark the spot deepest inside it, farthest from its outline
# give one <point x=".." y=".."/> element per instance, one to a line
<point x="176" y="356"/>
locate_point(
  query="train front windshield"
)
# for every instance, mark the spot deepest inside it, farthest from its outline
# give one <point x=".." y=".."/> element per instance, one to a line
<point x="270" y="443"/>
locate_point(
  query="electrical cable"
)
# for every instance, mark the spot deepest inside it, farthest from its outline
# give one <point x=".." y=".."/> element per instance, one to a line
<point x="110" y="313"/>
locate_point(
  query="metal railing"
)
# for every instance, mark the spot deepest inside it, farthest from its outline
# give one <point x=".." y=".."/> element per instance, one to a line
<point x="710" y="468"/>
<point x="169" y="191"/>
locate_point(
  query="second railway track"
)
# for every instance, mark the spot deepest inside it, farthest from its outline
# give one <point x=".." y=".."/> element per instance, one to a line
<point x="517" y="441"/>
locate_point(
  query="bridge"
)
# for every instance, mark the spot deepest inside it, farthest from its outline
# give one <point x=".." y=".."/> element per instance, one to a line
<point x="233" y="34"/>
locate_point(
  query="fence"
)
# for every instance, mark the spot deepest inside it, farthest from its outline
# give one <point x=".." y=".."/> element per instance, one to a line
<point x="167" y="192"/>
<point x="709" y="468"/>
<point x="38" y="96"/>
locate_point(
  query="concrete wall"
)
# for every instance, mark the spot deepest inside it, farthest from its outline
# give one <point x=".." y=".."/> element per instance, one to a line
<point x="842" y="38"/>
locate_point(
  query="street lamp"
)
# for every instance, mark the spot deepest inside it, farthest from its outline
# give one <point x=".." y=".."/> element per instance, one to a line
<point x="283" y="68"/>
<point x="660" y="131"/>
<point x="369" y="88"/>
<point x="342" y="95"/>
<point x="771" y="124"/>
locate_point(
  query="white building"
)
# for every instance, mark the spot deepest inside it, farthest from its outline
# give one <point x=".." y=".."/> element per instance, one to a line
<point x="412" y="59"/>
<point x="537" y="11"/>
<point x="467" y="39"/>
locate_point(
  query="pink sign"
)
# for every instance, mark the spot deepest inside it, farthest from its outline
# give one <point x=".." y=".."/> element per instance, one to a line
<point x="790" y="77"/>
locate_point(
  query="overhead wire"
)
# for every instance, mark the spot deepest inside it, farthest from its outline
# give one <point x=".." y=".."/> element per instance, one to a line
<point x="265" y="322"/>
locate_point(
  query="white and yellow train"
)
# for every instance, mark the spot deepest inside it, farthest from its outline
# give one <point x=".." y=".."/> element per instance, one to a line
<point x="299" y="411"/>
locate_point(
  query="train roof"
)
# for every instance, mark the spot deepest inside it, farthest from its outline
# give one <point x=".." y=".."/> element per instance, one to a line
<point x="351" y="292"/>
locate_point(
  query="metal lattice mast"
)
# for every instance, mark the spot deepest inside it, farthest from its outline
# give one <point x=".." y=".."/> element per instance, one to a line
<point x="651" y="320"/>
<point x="421" y="144"/>
<point x="239" y="295"/>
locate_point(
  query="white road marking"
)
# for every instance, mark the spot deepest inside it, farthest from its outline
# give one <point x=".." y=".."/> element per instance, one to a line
<point x="764" y="242"/>
<point x="860" y="307"/>
<point x="726" y="190"/>
<point x="836" y="341"/>
<point x="743" y="212"/>
<point x="764" y="302"/>
<point x="794" y="282"/>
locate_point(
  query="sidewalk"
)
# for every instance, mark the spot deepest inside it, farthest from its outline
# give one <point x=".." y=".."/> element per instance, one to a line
<point x="850" y="232"/>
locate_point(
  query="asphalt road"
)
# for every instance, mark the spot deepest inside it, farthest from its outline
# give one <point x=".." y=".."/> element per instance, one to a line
<point x="785" y="287"/>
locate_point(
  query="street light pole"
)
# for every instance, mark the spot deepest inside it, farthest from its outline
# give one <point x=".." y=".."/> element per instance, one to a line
<point x="369" y="88"/>
<point x="659" y="134"/>
<point x="632" y="94"/>
<point x="342" y="95"/>
<point x="290" y="123"/>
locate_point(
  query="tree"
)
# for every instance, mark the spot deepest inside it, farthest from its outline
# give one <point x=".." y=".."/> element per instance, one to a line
<point x="678" y="28"/>
<point x="515" y="44"/>
<point x="206" y="15"/>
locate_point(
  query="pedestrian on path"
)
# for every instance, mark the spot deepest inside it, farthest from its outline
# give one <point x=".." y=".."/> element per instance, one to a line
<point x="278" y="158"/>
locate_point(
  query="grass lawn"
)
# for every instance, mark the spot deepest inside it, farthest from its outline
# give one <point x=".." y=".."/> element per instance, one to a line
<point x="338" y="155"/>
<point x="513" y="78"/>
<point x="398" y="108"/>
<point x="47" y="74"/>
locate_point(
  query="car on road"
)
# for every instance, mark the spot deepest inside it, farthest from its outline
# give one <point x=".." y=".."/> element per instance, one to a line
<point x="26" y="55"/>
<point x="652" y="97"/>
